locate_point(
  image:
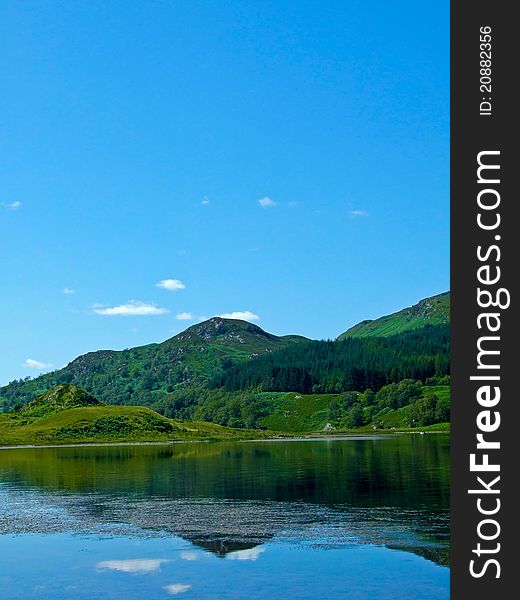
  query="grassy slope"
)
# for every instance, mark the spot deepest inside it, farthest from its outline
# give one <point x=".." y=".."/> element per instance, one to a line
<point x="293" y="412"/>
<point x="430" y="311"/>
<point x="67" y="414"/>
<point x="307" y="413"/>
<point x="103" y="424"/>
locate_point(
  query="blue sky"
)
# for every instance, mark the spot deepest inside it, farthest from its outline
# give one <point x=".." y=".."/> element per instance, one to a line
<point x="285" y="160"/>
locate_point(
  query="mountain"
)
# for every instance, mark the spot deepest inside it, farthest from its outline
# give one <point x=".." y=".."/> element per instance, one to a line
<point x="430" y="311"/>
<point x="145" y="374"/>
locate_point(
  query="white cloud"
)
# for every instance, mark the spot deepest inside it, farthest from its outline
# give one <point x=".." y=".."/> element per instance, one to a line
<point x="249" y="554"/>
<point x="189" y="556"/>
<point x="184" y="316"/>
<point x="13" y="205"/>
<point x="170" y="284"/>
<point x="182" y="252"/>
<point x="266" y="202"/>
<point x="177" y="588"/>
<point x="205" y="200"/>
<point x="136" y="565"/>
<point x="244" y="315"/>
<point x="358" y="213"/>
<point x="30" y="363"/>
<point x="68" y="291"/>
<point x="130" y="309"/>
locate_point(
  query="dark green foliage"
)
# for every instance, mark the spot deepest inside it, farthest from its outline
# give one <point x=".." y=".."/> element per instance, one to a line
<point x="396" y="395"/>
<point x="233" y="409"/>
<point x="403" y="404"/>
<point x="423" y="410"/>
<point x="355" y="417"/>
<point x="353" y="364"/>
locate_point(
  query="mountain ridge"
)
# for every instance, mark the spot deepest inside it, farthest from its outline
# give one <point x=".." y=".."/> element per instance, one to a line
<point x="144" y="375"/>
<point x="433" y="310"/>
<point x="140" y="375"/>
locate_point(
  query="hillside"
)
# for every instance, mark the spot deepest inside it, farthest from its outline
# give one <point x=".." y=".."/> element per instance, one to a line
<point x="226" y="371"/>
<point x="67" y="414"/>
<point x="430" y="311"/>
<point x="145" y="374"/>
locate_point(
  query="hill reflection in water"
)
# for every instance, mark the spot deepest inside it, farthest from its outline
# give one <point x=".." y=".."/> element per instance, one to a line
<point x="229" y="497"/>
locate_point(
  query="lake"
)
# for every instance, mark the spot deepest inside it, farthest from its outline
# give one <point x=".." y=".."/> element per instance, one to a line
<point x="361" y="517"/>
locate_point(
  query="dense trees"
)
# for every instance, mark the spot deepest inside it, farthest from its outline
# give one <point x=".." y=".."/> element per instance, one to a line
<point x="424" y="405"/>
<point x="353" y="364"/>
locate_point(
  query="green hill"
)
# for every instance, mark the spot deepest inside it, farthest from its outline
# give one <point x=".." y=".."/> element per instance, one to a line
<point x="57" y="399"/>
<point x="430" y="311"/>
<point x="67" y="414"/>
<point x="234" y="374"/>
<point x="144" y="375"/>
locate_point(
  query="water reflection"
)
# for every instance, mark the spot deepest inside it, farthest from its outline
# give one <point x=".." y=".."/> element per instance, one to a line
<point x="135" y="565"/>
<point x="232" y="498"/>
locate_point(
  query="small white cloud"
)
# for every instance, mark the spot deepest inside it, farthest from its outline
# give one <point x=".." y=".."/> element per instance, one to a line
<point x="13" y="205"/>
<point x="136" y="565"/>
<point x="205" y="201"/>
<point x="266" y="202"/>
<point x="130" y="309"/>
<point x="172" y="285"/>
<point x="184" y="316"/>
<point x="182" y="252"/>
<point x="30" y="363"/>
<point x="68" y="291"/>
<point x="292" y="203"/>
<point x="249" y="554"/>
<point x="177" y="588"/>
<point x="189" y="556"/>
<point x="358" y="213"/>
<point x="243" y="315"/>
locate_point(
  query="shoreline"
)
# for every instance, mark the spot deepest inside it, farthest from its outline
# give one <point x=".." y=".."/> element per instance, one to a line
<point x="382" y="433"/>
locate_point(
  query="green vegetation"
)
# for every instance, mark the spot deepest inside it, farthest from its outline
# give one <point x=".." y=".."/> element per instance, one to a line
<point x="407" y="404"/>
<point x="67" y="414"/>
<point x="430" y="311"/>
<point x="144" y="375"/>
<point x="387" y="374"/>
<point x="340" y="366"/>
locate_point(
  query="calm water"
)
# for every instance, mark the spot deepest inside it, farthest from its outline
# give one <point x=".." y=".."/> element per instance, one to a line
<point x="351" y="518"/>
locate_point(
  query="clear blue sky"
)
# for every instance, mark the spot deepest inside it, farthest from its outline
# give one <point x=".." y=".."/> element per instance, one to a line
<point x="289" y="159"/>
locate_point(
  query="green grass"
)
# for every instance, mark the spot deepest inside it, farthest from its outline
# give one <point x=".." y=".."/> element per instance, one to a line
<point x="102" y="424"/>
<point x="67" y="414"/>
<point x="298" y="413"/>
<point x="430" y="311"/>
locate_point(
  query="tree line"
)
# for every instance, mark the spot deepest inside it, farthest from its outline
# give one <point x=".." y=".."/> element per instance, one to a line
<point x="340" y="366"/>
